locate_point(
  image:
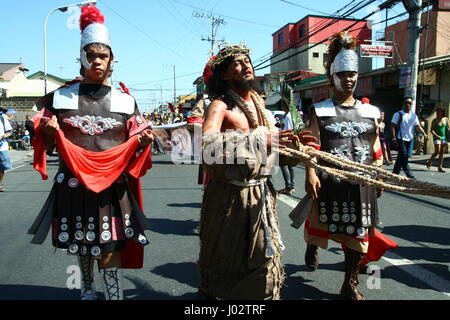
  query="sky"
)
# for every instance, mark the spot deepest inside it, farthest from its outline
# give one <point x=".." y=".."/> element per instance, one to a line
<point x="151" y="38"/>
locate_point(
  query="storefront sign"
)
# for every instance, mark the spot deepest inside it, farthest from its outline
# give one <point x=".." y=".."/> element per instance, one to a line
<point x="444" y="4"/>
<point x="377" y="51"/>
<point x="405" y="77"/>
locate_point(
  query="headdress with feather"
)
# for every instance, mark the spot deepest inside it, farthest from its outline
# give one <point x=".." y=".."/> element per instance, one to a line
<point x="341" y="54"/>
<point x="92" y="30"/>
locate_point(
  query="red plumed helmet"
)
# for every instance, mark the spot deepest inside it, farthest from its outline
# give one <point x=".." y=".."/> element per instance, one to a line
<point x="90" y="14"/>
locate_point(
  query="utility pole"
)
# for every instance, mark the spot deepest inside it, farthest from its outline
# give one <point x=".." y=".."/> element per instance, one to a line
<point x="424" y="55"/>
<point x="215" y="23"/>
<point x="414" y="7"/>
<point x="174" y="87"/>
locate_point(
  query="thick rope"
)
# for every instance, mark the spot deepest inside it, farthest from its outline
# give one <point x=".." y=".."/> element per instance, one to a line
<point x="351" y="171"/>
<point x="390" y="181"/>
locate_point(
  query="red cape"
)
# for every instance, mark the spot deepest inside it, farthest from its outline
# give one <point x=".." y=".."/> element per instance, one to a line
<point x="98" y="170"/>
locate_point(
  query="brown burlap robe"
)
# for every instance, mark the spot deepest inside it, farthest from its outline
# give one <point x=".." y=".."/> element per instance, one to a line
<point x="233" y="262"/>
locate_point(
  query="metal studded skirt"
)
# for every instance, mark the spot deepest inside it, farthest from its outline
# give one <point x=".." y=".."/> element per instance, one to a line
<point x="347" y="208"/>
<point x="88" y="223"/>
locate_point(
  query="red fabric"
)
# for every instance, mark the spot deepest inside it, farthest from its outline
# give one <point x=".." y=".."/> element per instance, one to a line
<point x="96" y="170"/>
<point x="315" y="232"/>
<point x="194" y="120"/>
<point x="378" y="245"/>
<point x="207" y="71"/>
<point x="124" y="88"/>
<point x="377" y="154"/>
<point x="315" y="146"/>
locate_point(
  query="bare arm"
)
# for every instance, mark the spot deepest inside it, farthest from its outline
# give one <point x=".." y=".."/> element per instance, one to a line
<point x="214" y="117"/>
<point x="393" y="131"/>
<point x="312" y="182"/>
<point x="423" y="131"/>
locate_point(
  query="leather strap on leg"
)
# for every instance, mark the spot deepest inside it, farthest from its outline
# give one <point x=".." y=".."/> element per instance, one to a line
<point x="112" y="283"/>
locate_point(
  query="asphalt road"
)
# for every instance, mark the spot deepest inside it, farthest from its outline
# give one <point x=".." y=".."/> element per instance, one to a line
<point x="417" y="270"/>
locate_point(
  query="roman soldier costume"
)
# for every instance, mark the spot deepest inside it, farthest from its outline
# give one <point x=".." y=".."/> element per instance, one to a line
<point x="345" y="212"/>
<point x="95" y="205"/>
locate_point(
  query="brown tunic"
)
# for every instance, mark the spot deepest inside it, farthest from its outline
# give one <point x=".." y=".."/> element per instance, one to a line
<point x="240" y="244"/>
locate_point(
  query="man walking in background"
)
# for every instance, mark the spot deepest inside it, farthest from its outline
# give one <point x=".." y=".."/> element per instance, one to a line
<point x="404" y="123"/>
<point x="5" y="132"/>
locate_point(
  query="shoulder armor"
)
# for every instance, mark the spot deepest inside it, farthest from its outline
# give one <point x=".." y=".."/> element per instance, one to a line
<point x="325" y="108"/>
<point x="369" y="111"/>
<point x="121" y="102"/>
<point x="66" y="97"/>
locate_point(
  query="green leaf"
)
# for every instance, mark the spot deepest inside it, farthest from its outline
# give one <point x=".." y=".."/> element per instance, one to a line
<point x="288" y="97"/>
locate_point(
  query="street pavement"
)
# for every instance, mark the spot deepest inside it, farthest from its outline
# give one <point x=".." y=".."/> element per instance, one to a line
<point x="419" y="269"/>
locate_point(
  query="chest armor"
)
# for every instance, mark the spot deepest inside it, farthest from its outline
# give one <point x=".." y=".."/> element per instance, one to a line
<point x="348" y="132"/>
<point x="92" y="123"/>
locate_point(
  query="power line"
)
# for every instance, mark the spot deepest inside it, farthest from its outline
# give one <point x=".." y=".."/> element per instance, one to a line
<point x="145" y="33"/>
<point x="319" y="43"/>
<point x="226" y="16"/>
<point x="182" y="76"/>
<point x="309" y="9"/>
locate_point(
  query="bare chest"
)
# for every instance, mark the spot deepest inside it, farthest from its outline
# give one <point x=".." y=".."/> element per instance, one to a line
<point x="235" y="119"/>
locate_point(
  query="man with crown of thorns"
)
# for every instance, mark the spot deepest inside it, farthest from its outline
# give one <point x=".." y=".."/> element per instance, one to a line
<point x="95" y="207"/>
<point x="240" y="242"/>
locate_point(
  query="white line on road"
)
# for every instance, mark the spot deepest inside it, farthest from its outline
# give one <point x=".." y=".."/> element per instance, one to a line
<point x="416" y="271"/>
<point x="406" y="265"/>
<point x="287" y="200"/>
<point x="15" y="168"/>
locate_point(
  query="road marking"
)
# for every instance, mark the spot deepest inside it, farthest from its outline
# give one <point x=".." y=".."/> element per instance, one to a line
<point x="406" y="265"/>
<point x="23" y="165"/>
<point x="418" y="272"/>
<point x="287" y="200"/>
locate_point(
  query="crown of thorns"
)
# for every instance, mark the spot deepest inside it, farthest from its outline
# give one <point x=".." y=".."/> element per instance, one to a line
<point x="228" y="51"/>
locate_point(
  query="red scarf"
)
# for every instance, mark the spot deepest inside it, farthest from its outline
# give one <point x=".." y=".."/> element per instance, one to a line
<point x="95" y="170"/>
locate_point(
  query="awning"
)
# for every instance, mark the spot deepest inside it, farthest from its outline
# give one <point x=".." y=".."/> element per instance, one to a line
<point x="273" y="100"/>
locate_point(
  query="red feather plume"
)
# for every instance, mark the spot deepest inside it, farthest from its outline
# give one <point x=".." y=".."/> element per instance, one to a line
<point x="90" y="14"/>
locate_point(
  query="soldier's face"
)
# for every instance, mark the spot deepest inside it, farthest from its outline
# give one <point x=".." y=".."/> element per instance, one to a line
<point x="345" y="82"/>
<point x="99" y="58"/>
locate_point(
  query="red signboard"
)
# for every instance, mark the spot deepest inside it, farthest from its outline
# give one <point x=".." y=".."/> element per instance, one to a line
<point x="444" y="4"/>
<point x="377" y="51"/>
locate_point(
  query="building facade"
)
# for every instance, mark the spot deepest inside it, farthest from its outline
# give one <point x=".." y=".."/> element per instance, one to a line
<point x="296" y="45"/>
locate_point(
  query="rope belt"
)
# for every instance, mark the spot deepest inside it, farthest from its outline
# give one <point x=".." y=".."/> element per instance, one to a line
<point x="268" y="213"/>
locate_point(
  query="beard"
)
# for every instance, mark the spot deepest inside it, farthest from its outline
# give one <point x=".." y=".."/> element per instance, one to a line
<point x="247" y="85"/>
